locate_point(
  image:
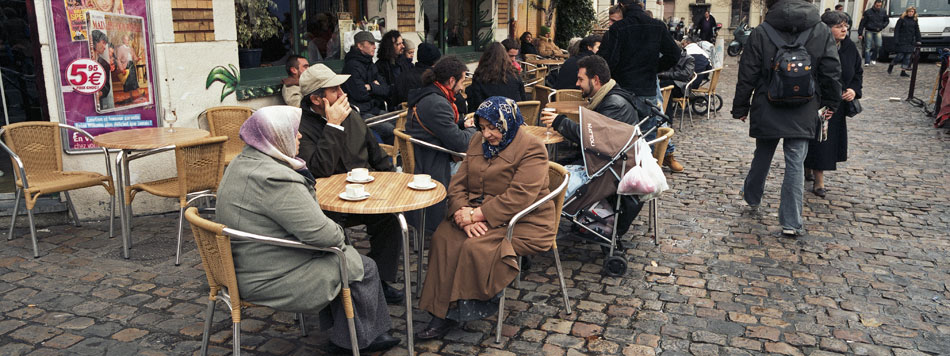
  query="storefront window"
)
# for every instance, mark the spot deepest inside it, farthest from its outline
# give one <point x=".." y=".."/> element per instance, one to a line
<point x="740" y="12"/>
<point x="457" y="30"/>
<point x="269" y="31"/>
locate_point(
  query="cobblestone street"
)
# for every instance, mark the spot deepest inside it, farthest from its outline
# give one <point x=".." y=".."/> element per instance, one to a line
<point x="870" y="277"/>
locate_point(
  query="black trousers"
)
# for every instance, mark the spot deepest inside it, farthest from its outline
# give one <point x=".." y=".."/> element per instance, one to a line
<point x="385" y="239"/>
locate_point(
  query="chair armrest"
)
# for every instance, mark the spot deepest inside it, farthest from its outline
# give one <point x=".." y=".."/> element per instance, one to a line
<point x="428" y="145"/>
<point x="533" y="207"/>
<point x="246" y="236"/>
<point x="85" y="134"/>
<point x="389" y="116"/>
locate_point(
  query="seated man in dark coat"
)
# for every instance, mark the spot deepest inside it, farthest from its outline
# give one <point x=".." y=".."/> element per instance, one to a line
<point x="607" y="98"/>
<point x="366" y="88"/>
<point x="567" y="75"/>
<point x="334" y="139"/>
<point x="427" y="54"/>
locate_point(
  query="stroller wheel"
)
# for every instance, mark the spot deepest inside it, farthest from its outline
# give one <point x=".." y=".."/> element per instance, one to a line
<point x="615" y="266"/>
<point x="700" y="105"/>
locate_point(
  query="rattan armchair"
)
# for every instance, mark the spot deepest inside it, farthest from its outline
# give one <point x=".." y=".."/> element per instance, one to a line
<point x="35" y="149"/>
<point x="402" y="144"/>
<point x="200" y="166"/>
<point x="214" y="245"/>
<point x="227" y="121"/>
<point x="682" y="103"/>
<point x="566" y="95"/>
<point x="530" y="111"/>
<point x="557" y="181"/>
<point x="662" y="141"/>
<point x="543" y="94"/>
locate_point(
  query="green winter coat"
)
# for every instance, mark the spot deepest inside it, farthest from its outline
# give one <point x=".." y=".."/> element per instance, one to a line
<point x="261" y="195"/>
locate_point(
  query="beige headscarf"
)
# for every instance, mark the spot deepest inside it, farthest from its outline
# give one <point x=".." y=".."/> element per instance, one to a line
<point x="273" y="130"/>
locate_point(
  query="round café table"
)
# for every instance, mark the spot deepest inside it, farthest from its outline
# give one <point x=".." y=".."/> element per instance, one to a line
<point x="152" y="140"/>
<point x="389" y="192"/>
<point x="547" y="62"/>
<point x="541" y="132"/>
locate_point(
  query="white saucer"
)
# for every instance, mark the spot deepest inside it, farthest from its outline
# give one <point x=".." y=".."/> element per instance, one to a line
<point x="367" y="180"/>
<point x="425" y="187"/>
<point x="349" y="198"/>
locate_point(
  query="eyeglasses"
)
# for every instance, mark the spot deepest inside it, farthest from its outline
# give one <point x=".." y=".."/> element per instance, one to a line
<point x="840" y="26"/>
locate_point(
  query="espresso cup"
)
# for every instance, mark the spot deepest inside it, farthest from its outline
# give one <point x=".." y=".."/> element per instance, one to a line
<point x="358" y="174"/>
<point x="355" y="190"/>
<point x="421" y="180"/>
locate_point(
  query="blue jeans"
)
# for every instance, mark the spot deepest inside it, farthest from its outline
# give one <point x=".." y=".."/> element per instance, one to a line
<point x="904" y="59"/>
<point x="793" y="187"/>
<point x="654" y="122"/>
<point x="872" y="45"/>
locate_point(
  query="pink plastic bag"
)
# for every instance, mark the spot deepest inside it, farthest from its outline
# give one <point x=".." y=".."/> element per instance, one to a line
<point x="635" y="182"/>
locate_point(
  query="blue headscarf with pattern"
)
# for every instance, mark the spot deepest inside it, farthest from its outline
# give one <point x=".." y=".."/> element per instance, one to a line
<point x="504" y="114"/>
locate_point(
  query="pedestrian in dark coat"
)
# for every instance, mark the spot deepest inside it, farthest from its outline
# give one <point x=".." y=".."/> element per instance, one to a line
<point x="824" y="156"/>
<point x="636" y="48"/>
<point x="434" y="118"/>
<point x="494" y="76"/>
<point x="795" y="126"/>
<point x="907" y="36"/>
<point x="706" y="25"/>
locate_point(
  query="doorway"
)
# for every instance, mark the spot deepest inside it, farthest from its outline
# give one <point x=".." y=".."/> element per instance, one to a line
<point x="22" y="93"/>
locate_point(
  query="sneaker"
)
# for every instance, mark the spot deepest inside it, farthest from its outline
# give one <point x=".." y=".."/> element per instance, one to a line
<point x="873" y="63"/>
<point x="792" y="232"/>
<point x="867" y="64"/>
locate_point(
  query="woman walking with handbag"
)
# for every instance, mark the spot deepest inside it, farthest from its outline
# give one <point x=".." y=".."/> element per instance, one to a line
<point x="824" y="156"/>
<point x="907" y="34"/>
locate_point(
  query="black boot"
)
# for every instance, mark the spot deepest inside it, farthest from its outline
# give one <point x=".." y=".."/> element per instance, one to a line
<point x="436" y="329"/>
<point x="904" y="74"/>
<point x="393" y="295"/>
<point x="890" y="68"/>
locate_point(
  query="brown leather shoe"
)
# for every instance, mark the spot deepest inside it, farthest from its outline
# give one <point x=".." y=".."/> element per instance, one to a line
<point x="670" y="161"/>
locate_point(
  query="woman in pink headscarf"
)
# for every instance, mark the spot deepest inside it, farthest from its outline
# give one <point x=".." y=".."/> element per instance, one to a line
<point x="267" y="190"/>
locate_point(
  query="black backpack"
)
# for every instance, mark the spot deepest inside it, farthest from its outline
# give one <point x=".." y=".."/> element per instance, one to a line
<point x="792" y="79"/>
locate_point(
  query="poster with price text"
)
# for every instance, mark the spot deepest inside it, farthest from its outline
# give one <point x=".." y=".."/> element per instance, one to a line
<point x="105" y="79"/>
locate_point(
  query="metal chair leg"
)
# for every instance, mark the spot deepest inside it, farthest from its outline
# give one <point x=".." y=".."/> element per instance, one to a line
<point x="209" y="317"/>
<point x="36" y="250"/>
<point x="656" y="227"/>
<point x="181" y="219"/>
<point x="303" y="325"/>
<point x="16" y="206"/>
<point x="560" y="276"/>
<point x="501" y="316"/>
<point x="237" y="339"/>
<point x="112" y="217"/>
<point x="518" y="276"/>
<point x="72" y="209"/>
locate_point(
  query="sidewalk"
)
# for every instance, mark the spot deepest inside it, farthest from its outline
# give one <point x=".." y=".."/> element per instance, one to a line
<point x="871" y="277"/>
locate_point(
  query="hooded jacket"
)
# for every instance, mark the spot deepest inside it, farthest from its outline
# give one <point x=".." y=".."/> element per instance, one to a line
<point x="789" y="17"/>
<point x="362" y="71"/>
<point x="636" y="48"/>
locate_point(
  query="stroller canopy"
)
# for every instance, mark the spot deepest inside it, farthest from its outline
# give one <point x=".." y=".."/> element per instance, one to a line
<point x="604" y="145"/>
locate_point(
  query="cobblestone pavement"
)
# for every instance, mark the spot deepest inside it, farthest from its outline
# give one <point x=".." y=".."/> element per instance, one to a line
<point x="871" y="277"/>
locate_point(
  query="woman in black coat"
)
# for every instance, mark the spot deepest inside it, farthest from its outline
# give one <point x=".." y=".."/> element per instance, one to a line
<point x="907" y="34"/>
<point x="824" y="156"/>
<point x="495" y="76"/>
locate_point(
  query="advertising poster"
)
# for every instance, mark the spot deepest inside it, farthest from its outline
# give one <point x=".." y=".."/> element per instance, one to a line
<point x="76" y="14"/>
<point x="105" y="77"/>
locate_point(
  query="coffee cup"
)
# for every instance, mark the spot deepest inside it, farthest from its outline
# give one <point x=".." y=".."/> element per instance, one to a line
<point x="421" y="180"/>
<point x="359" y="174"/>
<point x="355" y="190"/>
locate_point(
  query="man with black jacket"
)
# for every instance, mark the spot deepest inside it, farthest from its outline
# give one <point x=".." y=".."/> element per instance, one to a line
<point x="366" y="88"/>
<point x="869" y="30"/>
<point x="636" y="48"/>
<point x="609" y="99"/>
<point x="335" y="139"/>
<point x="567" y="74"/>
<point x="794" y="125"/>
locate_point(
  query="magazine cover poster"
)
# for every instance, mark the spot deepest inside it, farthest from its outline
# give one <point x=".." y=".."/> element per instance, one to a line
<point x="117" y="43"/>
<point x="76" y="14"/>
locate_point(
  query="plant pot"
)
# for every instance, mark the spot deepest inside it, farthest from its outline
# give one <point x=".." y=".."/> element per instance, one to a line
<point x="249" y="58"/>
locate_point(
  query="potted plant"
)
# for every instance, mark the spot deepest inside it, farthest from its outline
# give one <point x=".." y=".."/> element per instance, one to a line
<point x="255" y="24"/>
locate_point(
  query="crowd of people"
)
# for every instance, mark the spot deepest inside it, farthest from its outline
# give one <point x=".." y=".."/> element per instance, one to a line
<point x="322" y="132"/>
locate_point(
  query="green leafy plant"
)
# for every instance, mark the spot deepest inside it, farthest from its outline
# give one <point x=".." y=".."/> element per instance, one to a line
<point x="229" y="77"/>
<point x="255" y="22"/>
<point x="575" y="18"/>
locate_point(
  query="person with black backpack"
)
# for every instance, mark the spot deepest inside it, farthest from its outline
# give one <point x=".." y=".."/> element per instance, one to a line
<point x="788" y="82"/>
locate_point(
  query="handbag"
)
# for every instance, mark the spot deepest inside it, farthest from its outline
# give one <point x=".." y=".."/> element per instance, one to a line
<point x="854" y="107"/>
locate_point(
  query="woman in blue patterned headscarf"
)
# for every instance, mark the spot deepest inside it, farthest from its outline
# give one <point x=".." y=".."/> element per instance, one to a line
<point x="470" y="260"/>
<point x="503" y="114"/>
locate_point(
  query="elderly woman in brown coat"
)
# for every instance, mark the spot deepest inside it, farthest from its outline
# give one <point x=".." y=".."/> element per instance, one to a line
<point x="471" y="262"/>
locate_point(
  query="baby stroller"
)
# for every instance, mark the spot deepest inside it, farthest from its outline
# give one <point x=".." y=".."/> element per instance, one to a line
<point x="604" y="148"/>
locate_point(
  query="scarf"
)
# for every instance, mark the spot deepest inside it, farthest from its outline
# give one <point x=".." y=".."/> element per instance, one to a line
<point x="601" y="94"/>
<point x="273" y="131"/>
<point x="503" y="113"/>
<point x="451" y="98"/>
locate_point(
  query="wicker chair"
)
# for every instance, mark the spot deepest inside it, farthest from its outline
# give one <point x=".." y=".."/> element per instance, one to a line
<point x="557" y="181"/>
<point x="682" y="103"/>
<point x="214" y="245"/>
<point x="402" y="143"/>
<point x="227" y="121"/>
<point x="35" y="149"/>
<point x="709" y="91"/>
<point x="200" y="165"/>
<point x="566" y="95"/>
<point x="530" y="111"/>
<point x="666" y="92"/>
<point x="663" y="134"/>
<point x="543" y="94"/>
